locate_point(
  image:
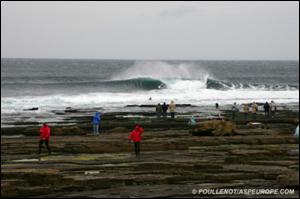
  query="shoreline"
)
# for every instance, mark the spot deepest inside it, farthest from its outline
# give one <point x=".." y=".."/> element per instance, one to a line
<point x="67" y="116"/>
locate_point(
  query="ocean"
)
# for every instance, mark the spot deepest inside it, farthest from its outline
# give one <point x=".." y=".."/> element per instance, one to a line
<point x="54" y="84"/>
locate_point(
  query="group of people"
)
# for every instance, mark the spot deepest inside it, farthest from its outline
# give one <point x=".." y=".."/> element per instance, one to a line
<point x="161" y="110"/>
<point x="269" y="109"/>
<point x="246" y="110"/>
<point x="136" y="135"/>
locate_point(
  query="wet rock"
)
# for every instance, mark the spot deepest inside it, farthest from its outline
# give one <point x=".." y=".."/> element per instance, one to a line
<point x="154" y="105"/>
<point x="289" y="180"/>
<point x="9" y="188"/>
<point x="32" y="109"/>
<point x="214" y="127"/>
<point x="172" y="162"/>
<point x="72" y="130"/>
<point x="118" y="130"/>
<point x="70" y="110"/>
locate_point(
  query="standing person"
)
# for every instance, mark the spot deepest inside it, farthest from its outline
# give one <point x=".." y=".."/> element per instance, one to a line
<point x="246" y="111"/>
<point x="136" y="138"/>
<point x="254" y="110"/>
<point x="44" y="136"/>
<point x="297" y="132"/>
<point x="158" y="110"/>
<point x="192" y="121"/>
<point x="172" y="108"/>
<point x="273" y="108"/>
<point x="267" y="109"/>
<point x="217" y="106"/>
<point x="96" y="123"/>
<point x="234" y="110"/>
<point x="165" y="109"/>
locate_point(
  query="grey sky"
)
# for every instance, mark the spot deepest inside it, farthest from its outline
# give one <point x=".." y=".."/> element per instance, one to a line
<point x="150" y="30"/>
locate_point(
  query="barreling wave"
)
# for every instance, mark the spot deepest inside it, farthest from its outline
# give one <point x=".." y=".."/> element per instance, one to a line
<point x="190" y="76"/>
<point x="136" y="83"/>
<point x="105" y="85"/>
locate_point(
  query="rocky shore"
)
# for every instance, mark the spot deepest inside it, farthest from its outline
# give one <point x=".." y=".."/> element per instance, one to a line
<point x="257" y="154"/>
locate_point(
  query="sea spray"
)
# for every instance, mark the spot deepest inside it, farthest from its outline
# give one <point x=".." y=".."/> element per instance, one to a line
<point x="162" y="70"/>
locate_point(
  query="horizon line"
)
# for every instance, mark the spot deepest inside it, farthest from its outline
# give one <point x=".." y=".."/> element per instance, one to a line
<point x="131" y="59"/>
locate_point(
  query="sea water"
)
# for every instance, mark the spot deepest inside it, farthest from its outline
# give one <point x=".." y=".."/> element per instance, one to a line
<point x="54" y="84"/>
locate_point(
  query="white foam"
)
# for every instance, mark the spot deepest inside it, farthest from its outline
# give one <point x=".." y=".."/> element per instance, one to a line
<point x="193" y="92"/>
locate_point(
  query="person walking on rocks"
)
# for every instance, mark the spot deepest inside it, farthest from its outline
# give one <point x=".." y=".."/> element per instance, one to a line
<point x="192" y="121"/>
<point x="297" y="132"/>
<point x="234" y="110"/>
<point x="254" y="110"/>
<point x="267" y="109"/>
<point x="246" y="111"/>
<point x="136" y="137"/>
<point x="165" y="109"/>
<point x="44" y="137"/>
<point x="217" y="106"/>
<point x="96" y="123"/>
<point x="273" y="109"/>
<point x="172" y="108"/>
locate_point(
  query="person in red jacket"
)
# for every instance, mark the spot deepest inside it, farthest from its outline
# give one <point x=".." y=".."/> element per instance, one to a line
<point x="136" y="138"/>
<point x="44" y="136"/>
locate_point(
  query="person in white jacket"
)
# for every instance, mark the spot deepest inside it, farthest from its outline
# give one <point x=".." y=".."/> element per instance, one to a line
<point x="297" y="132"/>
<point x="172" y="108"/>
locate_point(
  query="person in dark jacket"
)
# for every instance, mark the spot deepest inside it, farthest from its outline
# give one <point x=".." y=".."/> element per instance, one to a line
<point x="234" y="110"/>
<point x="44" y="137"/>
<point x="96" y="123"/>
<point x="267" y="109"/>
<point x="136" y="137"/>
<point x="165" y="109"/>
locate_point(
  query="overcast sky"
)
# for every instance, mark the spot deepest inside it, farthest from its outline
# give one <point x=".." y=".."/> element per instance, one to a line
<point x="150" y="30"/>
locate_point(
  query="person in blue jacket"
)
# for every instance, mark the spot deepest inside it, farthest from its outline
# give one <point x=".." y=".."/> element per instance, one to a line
<point x="96" y="123"/>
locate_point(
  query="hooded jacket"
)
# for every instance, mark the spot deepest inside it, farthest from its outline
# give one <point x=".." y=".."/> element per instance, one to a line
<point x="246" y="108"/>
<point x="45" y="132"/>
<point x="172" y="107"/>
<point x="96" y="118"/>
<point x="164" y="107"/>
<point x="135" y="135"/>
<point x="254" y="108"/>
<point x="158" y="108"/>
